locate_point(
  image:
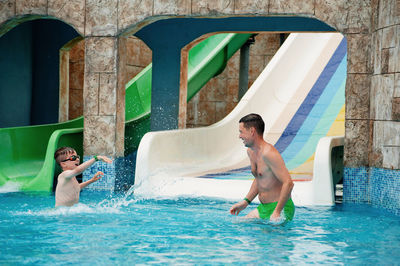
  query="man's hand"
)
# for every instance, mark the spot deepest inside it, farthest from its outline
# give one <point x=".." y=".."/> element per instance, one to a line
<point x="238" y="207"/>
<point x="104" y="159"/>
<point x="97" y="176"/>
<point x="275" y="216"/>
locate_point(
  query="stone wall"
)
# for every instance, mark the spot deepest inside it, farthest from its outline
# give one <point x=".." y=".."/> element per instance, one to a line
<point x="385" y="85"/>
<point x="138" y="57"/>
<point x="372" y="174"/>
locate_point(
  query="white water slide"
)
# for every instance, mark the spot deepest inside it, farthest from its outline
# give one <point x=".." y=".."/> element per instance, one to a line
<point x="174" y="163"/>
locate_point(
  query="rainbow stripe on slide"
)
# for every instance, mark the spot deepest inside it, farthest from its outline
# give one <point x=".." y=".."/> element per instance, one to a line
<point x="321" y="114"/>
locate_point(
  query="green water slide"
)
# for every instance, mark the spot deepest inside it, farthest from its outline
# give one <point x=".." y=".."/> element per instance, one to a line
<point x="27" y="152"/>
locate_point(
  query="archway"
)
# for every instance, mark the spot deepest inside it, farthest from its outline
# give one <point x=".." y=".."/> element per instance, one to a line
<point x="167" y="50"/>
<point x="29" y="78"/>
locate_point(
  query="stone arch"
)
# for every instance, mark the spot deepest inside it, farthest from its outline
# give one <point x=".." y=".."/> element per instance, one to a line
<point x="167" y="50"/>
<point x="42" y="69"/>
<point x="13" y="13"/>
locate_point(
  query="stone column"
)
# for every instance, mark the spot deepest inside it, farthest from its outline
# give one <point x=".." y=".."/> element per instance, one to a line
<point x="104" y="104"/>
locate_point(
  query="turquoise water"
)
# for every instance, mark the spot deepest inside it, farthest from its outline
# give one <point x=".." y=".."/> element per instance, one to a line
<point x="107" y="229"/>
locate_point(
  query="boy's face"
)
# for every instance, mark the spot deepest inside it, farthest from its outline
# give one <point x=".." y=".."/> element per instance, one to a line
<point x="71" y="161"/>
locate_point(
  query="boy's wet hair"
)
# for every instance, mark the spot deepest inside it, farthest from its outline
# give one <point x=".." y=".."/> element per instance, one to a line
<point x="253" y="120"/>
<point x="61" y="153"/>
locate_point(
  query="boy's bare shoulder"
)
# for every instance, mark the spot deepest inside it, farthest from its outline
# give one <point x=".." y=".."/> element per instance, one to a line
<point x="66" y="174"/>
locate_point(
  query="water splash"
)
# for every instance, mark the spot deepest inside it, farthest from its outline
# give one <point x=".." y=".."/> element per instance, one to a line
<point x="10" y="187"/>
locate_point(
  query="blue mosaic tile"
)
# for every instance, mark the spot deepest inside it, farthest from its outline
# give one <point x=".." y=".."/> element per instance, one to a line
<point x="376" y="186"/>
<point x="385" y="189"/>
<point x="356" y="186"/>
<point x="108" y="180"/>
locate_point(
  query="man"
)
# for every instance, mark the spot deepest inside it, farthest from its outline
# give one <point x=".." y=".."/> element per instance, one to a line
<point x="272" y="182"/>
<point x="68" y="189"/>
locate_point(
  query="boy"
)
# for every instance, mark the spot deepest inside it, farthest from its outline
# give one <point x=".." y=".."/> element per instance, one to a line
<point x="68" y="188"/>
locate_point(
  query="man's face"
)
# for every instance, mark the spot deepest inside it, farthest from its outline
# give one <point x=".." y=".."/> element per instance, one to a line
<point x="246" y="134"/>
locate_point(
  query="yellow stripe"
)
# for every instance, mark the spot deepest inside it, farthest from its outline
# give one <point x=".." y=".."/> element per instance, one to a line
<point x="337" y="129"/>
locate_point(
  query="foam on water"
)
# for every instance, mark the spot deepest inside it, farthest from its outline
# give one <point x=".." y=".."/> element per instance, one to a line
<point x="106" y="206"/>
<point x="10" y="187"/>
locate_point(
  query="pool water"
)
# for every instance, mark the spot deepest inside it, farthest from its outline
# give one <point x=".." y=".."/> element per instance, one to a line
<point x="108" y="229"/>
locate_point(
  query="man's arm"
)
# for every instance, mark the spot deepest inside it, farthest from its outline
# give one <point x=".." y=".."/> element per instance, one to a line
<point x="253" y="192"/>
<point x="278" y="167"/>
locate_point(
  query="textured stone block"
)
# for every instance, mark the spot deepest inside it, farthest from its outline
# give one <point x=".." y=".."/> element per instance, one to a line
<point x="358" y="47"/>
<point x="99" y="135"/>
<point x="374" y="14"/>
<point x="107" y="94"/>
<point x="391" y="157"/>
<point x="191" y="111"/>
<point x="392" y="60"/>
<point x="376" y="52"/>
<point x="233" y="66"/>
<point x="91" y="94"/>
<point x="133" y="51"/>
<point x="100" y="54"/>
<point x="346" y="16"/>
<point x="213" y="7"/>
<point x="222" y="109"/>
<point x="396" y="56"/>
<point x="216" y="90"/>
<point x="71" y="12"/>
<point x="76" y="74"/>
<point x="265" y="43"/>
<point x="101" y="17"/>
<point x="172" y="7"/>
<point x="396" y="85"/>
<point x="233" y="90"/>
<point x="375" y="156"/>
<point x="388" y="13"/>
<point x="391" y="134"/>
<point x="75" y="103"/>
<point x="251" y="6"/>
<point x="389" y="37"/>
<point x="256" y="66"/>
<point x="145" y="55"/>
<point x="357" y="96"/>
<point x="7" y="10"/>
<point x="131" y="12"/>
<point x="138" y="53"/>
<point x="77" y="52"/>
<point x="356" y="143"/>
<point x="24" y="7"/>
<point x="132" y="71"/>
<point x="382" y="88"/>
<point x="291" y="6"/>
<point x="206" y="113"/>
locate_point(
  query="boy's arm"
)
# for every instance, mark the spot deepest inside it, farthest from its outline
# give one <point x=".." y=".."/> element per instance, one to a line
<point x="96" y="177"/>
<point x="82" y="167"/>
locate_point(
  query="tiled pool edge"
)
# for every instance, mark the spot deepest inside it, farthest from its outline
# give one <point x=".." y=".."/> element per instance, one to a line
<point x="376" y="186"/>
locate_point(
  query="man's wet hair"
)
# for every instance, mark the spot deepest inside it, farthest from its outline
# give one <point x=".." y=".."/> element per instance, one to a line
<point x="62" y="153"/>
<point x="253" y="120"/>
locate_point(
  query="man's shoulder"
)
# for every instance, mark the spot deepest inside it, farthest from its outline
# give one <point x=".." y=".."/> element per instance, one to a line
<point x="270" y="152"/>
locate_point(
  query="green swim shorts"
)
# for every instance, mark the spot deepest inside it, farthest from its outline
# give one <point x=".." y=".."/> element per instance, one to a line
<point x="266" y="209"/>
